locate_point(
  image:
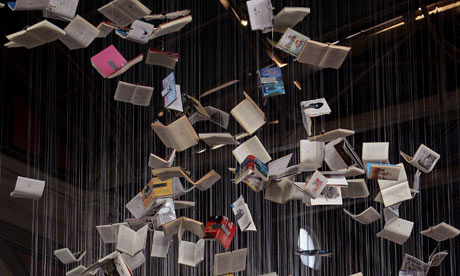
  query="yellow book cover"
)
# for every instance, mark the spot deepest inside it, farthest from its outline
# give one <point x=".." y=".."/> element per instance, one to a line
<point x="154" y="189"/>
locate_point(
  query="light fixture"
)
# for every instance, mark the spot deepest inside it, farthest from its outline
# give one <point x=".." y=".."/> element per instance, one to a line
<point x="244" y="23"/>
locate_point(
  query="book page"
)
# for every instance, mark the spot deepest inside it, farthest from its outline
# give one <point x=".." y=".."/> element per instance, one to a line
<point x="126" y="240"/>
<point x="279" y="165"/>
<point x="20" y="5"/>
<point x="160" y="245"/>
<point x="124" y="12"/>
<point x="207" y="181"/>
<point x="107" y="234"/>
<point x="311" y="154"/>
<point x="79" y="34"/>
<point x="425" y="159"/>
<point x="140" y="31"/>
<point x="142" y="95"/>
<point x="216" y="139"/>
<point x="225" y="263"/>
<point x="254" y="147"/>
<point x="135" y="261"/>
<point x="396" y="194"/>
<point x="288" y="17"/>
<point x="46" y="31"/>
<point x="157" y="162"/>
<point x="441" y="232"/>
<point x="105" y="29"/>
<point x="383" y="171"/>
<point x="159" y="58"/>
<point x="332" y="157"/>
<point x="334" y="56"/>
<point x="62" y="8"/>
<point x="194" y="226"/>
<point x="384" y="184"/>
<point x="315" y="185"/>
<point x="179" y="134"/>
<point x="260" y="14"/>
<point x="136" y="207"/>
<point x="24" y="39"/>
<point x="126" y="67"/>
<point x="240" y="211"/>
<point x="357" y="188"/>
<point x="177" y="104"/>
<point x="397" y="231"/>
<point x="437" y="259"/>
<point x="172" y="228"/>
<point x="139" y="242"/>
<point x="375" y="153"/>
<point x="412" y="263"/>
<point x="312" y="53"/>
<point x="171" y="26"/>
<point x="124" y="92"/>
<point x="187" y="253"/>
<point x="199" y="251"/>
<point x="65" y="256"/>
<point x="28" y="188"/>
<point x="366" y="217"/>
<point x="249" y="115"/>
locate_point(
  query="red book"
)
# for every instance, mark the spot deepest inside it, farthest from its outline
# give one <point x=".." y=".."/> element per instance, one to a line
<point x="220" y="228"/>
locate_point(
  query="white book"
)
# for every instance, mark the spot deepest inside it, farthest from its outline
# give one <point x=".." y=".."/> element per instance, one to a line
<point x="105" y="28"/>
<point x="135" y="261"/>
<point x="78" y="271"/>
<point x="179" y="135"/>
<point x="397" y="230"/>
<point x="336" y="180"/>
<point x="424" y="158"/>
<point x="181" y="224"/>
<point x="217" y="139"/>
<point x="315" y="184"/>
<point x="376" y="153"/>
<point x="333" y="157"/>
<point x="139" y="32"/>
<point x="441" y="232"/>
<point x="156" y="162"/>
<point x="260" y="14"/>
<point x="202" y="184"/>
<point x="160" y="245"/>
<point x="366" y="217"/>
<point x="254" y="147"/>
<point x="112" y="261"/>
<point x="36" y="35"/>
<point x="134" y="94"/>
<point x="249" y="115"/>
<point x="396" y="194"/>
<point x="124" y="12"/>
<point x="383" y="171"/>
<point x="351" y="171"/>
<point x="279" y="191"/>
<point x="191" y="254"/>
<point x="243" y="215"/>
<point x="61" y="9"/>
<point x="311" y="155"/>
<point x="411" y="263"/>
<point x="291" y="42"/>
<point x="171" y="26"/>
<point x="288" y="17"/>
<point x="402" y="177"/>
<point x="169" y="15"/>
<point x="322" y="54"/>
<point x="130" y="241"/>
<point x="217" y="116"/>
<point x="136" y="207"/>
<point x="79" y="34"/>
<point x="67" y="257"/>
<point x="109" y="233"/>
<point x="315" y="108"/>
<point x="230" y="262"/>
<point x="160" y="58"/>
<point x="332" y="135"/>
<point x="166" y="213"/>
<point x="279" y="166"/>
<point x="22" y="5"/>
<point x="329" y="196"/>
<point x="357" y="188"/>
<point x="28" y="188"/>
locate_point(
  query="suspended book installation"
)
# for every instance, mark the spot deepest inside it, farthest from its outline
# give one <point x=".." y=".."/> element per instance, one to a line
<point x="28" y="188"/>
<point x="35" y="35"/>
<point x="134" y="94"/>
<point x="110" y="63"/>
<point x="124" y="12"/>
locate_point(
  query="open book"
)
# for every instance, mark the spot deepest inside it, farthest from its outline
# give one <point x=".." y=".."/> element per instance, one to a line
<point x="292" y="42"/>
<point x="217" y="139"/>
<point x="109" y="233"/>
<point x="220" y="228"/>
<point x="28" y="188"/>
<point x="166" y="213"/>
<point x="67" y="257"/>
<point x="171" y="27"/>
<point x="230" y="262"/>
<point x="357" y="188"/>
<point x="156" y="162"/>
<point x="253" y="147"/>
<point x="441" y="232"/>
<point x="383" y="171"/>
<point x="112" y="264"/>
<point x="169" y="15"/>
<point x="288" y="17"/>
<point x="191" y="254"/>
<point x="23" y="5"/>
<point x="260" y="14"/>
<point x="396" y="230"/>
<point x="156" y="188"/>
<point x="366" y="217"/>
<point x="313" y="108"/>
<point x="135" y="261"/>
<point x="322" y="54"/>
<point x="411" y="263"/>
<point x="160" y="58"/>
<point x="375" y="153"/>
<point x="243" y="215"/>
<point x="216" y="116"/>
<point x="78" y="271"/>
<point x="79" y="34"/>
<point x="124" y="12"/>
<point x="105" y="28"/>
<point x="394" y="192"/>
<point x="315" y="184"/>
<point x="424" y="158"/>
<point x="351" y="171"/>
<point x="181" y="224"/>
<point x="249" y="115"/>
<point x="131" y="242"/>
<point x="332" y="135"/>
<point x="252" y="172"/>
<point x="339" y="154"/>
<point x="282" y="191"/>
<point x="202" y="184"/>
<point x="134" y="94"/>
<point x="311" y="155"/>
<point x="329" y="196"/>
<point x="169" y="92"/>
<point x="61" y="9"/>
<point x="139" y="32"/>
<point x="136" y="207"/>
<point x="160" y="245"/>
<point x="179" y="135"/>
<point x="36" y="35"/>
<point x="110" y="63"/>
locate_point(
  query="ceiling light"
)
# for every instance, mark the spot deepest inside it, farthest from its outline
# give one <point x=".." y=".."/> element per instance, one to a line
<point x="244" y="23"/>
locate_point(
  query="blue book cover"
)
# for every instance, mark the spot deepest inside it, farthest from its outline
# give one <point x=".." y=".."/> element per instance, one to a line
<point x="169" y="90"/>
<point x="271" y="80"/>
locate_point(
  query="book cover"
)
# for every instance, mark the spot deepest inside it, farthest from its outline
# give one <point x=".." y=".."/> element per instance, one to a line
<point x="154" y="189"/>
<point x="253" y="172"/>
<point x="108" y="61"/>
<point x="169" y="90"/>
<point x="271" y="80"/>
<point x="292" y="42"/>
<point x="220" y="228"/>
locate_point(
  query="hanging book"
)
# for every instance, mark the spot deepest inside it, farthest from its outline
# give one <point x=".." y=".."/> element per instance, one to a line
<point x="124" y="12"/>
<point x="252" y="172"/>
<point x="220" y="228"/>
<point x="161" y="58"/>
<point x="21" y="5"/>
<point x="110" y="63"/>
<point x="271" y="80"/>
<point x="292" y="42"/>
<point x="138" y="32"/>
<point x="64" y="10"/>
<point x="35" y="35"/>
<point x="134" y="94"/>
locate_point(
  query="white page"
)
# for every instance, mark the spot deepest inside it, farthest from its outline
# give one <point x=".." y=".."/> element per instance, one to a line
<point x="124" y="92"/>
<point x="334" y="56"/>
<point x="332" y="158"/>
<point x="312" y="53"/>
<point x="329" y="196"/>
<point x="260" y="14"/>
<point x="383" y="184"/>
<point x="78" y="271"/>
<point x="65" y="9"/>
<point x="141" y="237"/>
<point x="441" y="232"/>
<point x="28" y="188"/>
<point x="156" y="162"/>
<point x="269" y="274"/>
<point x="126" y="240"/>
<point x="391" y="213"/>
<point x="311" y="155"/>
<point x="160" y="245"/>
<point x="279" y="165"/>
<point x="397" y="231"/>
<point x="315" y="184"/>
<point x="65" y="256"/>
<point x="179" y="134"/>
<point x="357" y="188"/>
<point x="242" y="214"/>
<point x="412" y="263"/>
<point x="437" y="259"/>
<point x="136" y="207"/>
<point x="375" y="153"/>
<point x="161" y="59"/>
<point x="142" y="95"/>
<point x="187" y="253"/>
<point x="315" y="108"/>
<point x="217" y="139"/>
<point x="121" y="266"/>
<point x="171" y="26"/>
<point x="254" y="147"/>
<point x="288" y="17"/>
<point x="177" y="104"/>
<point x="396" y="194"/>
<point x="229" y="262"/>
<point x="79" y="34"/>
<point x="366" y="217"/>
<point x="424" y="159"/>
<point x="140" y="31"/>
<point x="249" y="115"/>
<point x="135" y="261"/>
<point x="21" y="5"/>
<point x="351" y="171"/>
<point x="105" y="29"/>
<point x="124" y="12"/>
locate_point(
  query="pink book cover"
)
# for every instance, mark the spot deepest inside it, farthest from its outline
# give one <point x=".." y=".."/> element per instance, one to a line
<point x="108" y="61"/>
